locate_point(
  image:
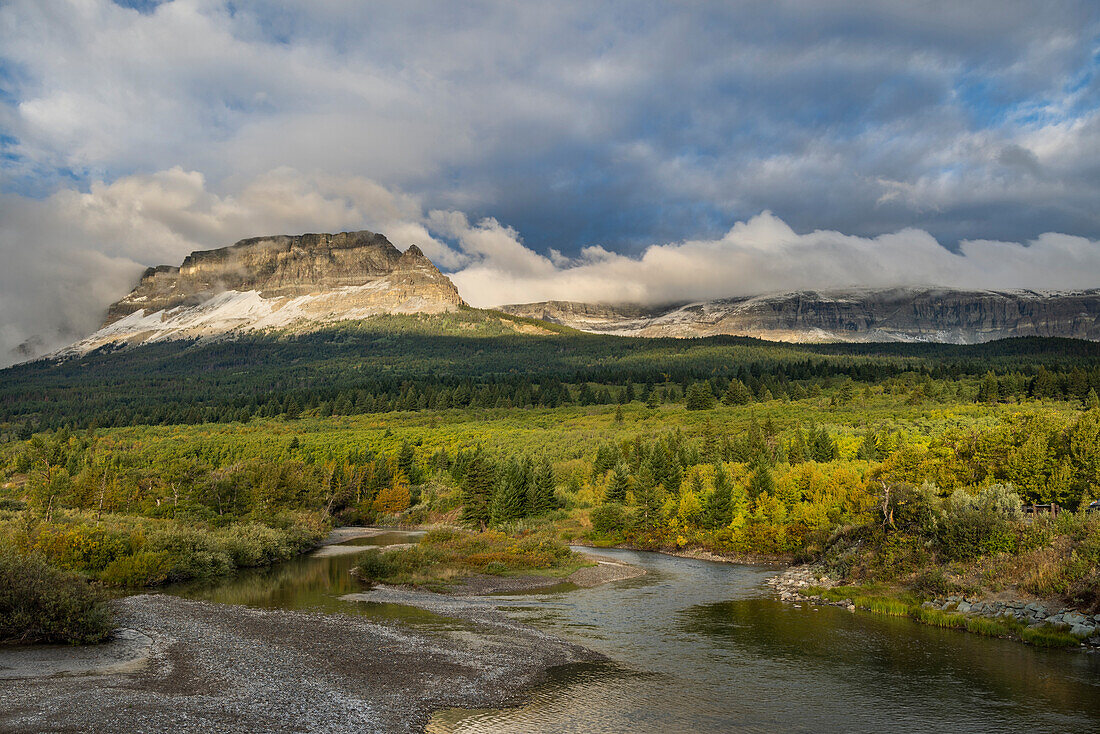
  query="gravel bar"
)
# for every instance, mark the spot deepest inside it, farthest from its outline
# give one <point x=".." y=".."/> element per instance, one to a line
<point x="221" y="668"/>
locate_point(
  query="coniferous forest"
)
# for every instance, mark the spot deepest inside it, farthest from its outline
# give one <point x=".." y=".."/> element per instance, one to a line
<point x="180" y="460"/>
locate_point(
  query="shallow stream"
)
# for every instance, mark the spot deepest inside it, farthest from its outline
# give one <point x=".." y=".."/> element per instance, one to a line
<point x="704" y="647"/>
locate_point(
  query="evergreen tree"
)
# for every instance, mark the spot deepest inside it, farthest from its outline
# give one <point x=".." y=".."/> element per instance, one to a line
<point x="618" y="486"/>
<point x="653" y="400"/>
<point x="736" y="393"/>
<point x="647" y="497"/>
<point x="699" y="396"/>
<point x="477" y="490"/>
<point x="607" y="457"/>
<point x="822" y="446"/>
<point x="989" y="390"/>
<point x="406" y="462"/>
<point x="1043" y="386"/>
<point x="761" y="481"/>
<point x="718" y="506"/>
<point x="510" y="496"/>
<point x="757" y="445"/>
<point x="868" y="450"/>
<point x="541" y="497"/>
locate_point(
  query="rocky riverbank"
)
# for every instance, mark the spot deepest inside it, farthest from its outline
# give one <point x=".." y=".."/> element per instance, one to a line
<point x="1031" y="613"/>
<point x="216" y="667"/>
<point x="809" y="584"/>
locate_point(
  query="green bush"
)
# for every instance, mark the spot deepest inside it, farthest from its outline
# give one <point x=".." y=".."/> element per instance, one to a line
<point x="252" y="545"/>
<point x="40" y="603"/>
<point x="194" y="553"/>
<point x="141" y="569"/>
<point x="979" y="524"/>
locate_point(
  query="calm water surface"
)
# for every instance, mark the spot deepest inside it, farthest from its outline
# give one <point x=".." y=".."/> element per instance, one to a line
<point x="702" y="647"/>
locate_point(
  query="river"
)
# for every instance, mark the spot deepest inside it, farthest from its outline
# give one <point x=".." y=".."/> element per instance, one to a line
<point x="699" y="646"/>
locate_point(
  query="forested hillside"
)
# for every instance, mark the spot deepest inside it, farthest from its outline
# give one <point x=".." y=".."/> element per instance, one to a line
<point x="482" y="359"/>
<point x="903" y="463"/>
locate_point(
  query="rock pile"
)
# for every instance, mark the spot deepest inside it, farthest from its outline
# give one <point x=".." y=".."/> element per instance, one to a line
<point x="792" y="584"/>
<point x="1033" y="614"/>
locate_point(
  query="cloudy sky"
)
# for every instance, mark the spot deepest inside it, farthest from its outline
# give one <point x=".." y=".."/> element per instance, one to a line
<point x="646" y="151"/>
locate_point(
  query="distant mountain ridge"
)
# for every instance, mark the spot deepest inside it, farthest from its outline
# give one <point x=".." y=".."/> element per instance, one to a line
<point x="291" y="281"/>
<point x="302" y="282"/>
<point x="854" y="315"/>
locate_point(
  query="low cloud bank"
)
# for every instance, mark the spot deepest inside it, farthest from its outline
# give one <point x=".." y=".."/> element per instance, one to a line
<point x="765" y="255"/>
<point x="67" y="257"/>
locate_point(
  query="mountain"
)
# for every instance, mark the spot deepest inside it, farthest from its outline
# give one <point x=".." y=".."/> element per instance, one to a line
<point x="279" y="281"/>
<point x="302" y="282"/>
<point x="859" y="315"/>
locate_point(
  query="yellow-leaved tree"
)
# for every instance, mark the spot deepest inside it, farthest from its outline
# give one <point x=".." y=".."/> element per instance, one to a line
<point x="394" y="498"/>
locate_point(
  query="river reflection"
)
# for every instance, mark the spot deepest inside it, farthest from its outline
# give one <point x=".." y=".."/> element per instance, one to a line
<point x="720" y="655"/>
<point x="313" y="583"/>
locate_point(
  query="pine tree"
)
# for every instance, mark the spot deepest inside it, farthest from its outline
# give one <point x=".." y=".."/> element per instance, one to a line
<point x="757" y="444"/>
<point x="541" y="499"/>
<point x="868" y="450"/>
<point x="406" y="462"/>
<point x="510" y="494"/>
<point x="822" y="447"/>
<point x="699" y="396"/>
<point x="761" y="481"/>
<point x="737" y="393"/>
<point x="1043" y="386"/>
<point x="618" y="486"/>
<point x="989" y="390"/>
<point x="718" y="505"/>
<point x="647" y="498"/>
<point x="653" y="400"/>
<point x="477" y="490"/>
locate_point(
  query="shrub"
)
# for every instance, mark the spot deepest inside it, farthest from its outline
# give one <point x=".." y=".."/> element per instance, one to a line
<point x="194" y="553"/>
<point x="254" y="545"/>
<point x="980" y="524"/>
<point x="932" y="582"/>
<point x="40" y="603"/>
<point x="141" y="569"/>
<point x="445" y="554"/>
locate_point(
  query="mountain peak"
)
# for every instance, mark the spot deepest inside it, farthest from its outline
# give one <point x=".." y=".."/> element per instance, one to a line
<point x="276" y="281"/>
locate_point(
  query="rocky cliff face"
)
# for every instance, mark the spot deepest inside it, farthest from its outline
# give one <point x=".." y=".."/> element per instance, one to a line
<point x="902" y="314"/>
<point x="280" y="281"/>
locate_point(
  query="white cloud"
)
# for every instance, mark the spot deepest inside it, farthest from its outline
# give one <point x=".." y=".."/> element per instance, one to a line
<point x="69" y="256"/>
<point x="765" y="255"/>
